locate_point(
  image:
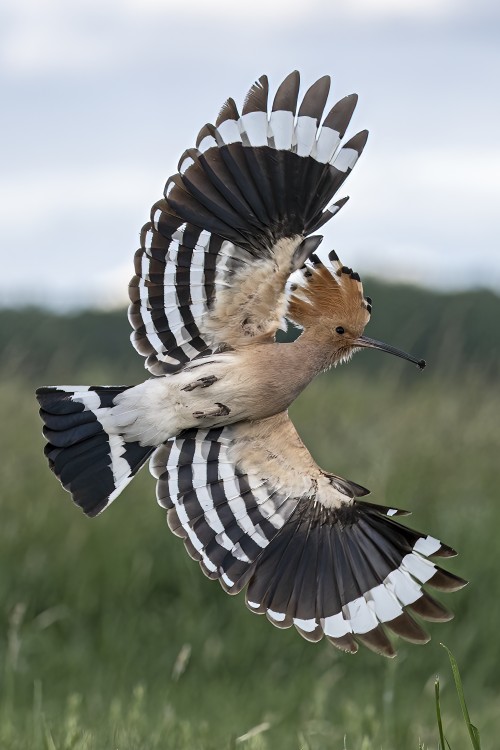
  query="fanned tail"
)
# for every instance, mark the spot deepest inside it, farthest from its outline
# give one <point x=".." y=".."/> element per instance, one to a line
<point x="85" y="449"/>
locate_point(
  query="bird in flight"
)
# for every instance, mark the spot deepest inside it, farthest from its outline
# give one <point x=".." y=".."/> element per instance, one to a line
<point x="228" y="256"/>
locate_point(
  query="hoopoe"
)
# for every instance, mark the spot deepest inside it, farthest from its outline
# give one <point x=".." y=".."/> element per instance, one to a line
<point x="227" y="257"/>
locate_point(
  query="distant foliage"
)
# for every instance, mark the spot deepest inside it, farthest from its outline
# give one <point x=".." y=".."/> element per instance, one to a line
<point x="110" y="636"/>
<point x="451" y="331"/>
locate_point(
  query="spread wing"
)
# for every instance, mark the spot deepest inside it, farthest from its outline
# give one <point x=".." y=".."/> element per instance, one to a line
<point x="215" y="257"/>
<point x="311" y="553"/>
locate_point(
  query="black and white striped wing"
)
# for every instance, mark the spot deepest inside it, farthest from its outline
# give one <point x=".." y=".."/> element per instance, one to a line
<point x="215" y="257"/>
<point x="312" y="554"/>
<point x="226" y="517"/>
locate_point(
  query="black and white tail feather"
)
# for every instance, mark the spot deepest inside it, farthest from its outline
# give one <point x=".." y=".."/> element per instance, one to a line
<point x="85" y="450"/>
<point x="250" y="503"/>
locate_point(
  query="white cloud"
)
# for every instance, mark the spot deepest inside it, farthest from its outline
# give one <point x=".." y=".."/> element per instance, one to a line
<point x="423" y="216"/>
<point x="41" y="44"/>
<point x="69" y="238"/>
<point x="220" y="11"/>
<point x="384" y="9"/>
<point x="101" y="96"/>
<point x="41" y="37"/>
<point x="388" y="183"/>
<point x="461" y="183"/>
<point x="73" y="193"/>
<point x="293" y="11"/>
<point x="474" y="174"/>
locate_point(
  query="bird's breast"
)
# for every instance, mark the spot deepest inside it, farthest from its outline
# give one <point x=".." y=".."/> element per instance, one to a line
<point x="252" y="383"/>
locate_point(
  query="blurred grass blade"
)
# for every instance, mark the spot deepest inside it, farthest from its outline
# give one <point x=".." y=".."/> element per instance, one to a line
<point x="438" y="714"/>
<point x="49" y="740"/>
<point x="473" y="731"/>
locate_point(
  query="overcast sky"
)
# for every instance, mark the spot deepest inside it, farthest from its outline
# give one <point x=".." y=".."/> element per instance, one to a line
<point x="100" y="97"/>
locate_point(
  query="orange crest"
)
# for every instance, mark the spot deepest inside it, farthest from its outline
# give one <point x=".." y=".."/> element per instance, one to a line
<point x="328" y="293"/>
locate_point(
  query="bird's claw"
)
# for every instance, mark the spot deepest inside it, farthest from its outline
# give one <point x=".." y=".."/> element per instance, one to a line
<point x="200" y="383"/>
<point x="222" y="411"/>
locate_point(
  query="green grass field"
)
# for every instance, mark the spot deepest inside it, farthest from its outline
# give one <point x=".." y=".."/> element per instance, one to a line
<point x="111" y="637"/>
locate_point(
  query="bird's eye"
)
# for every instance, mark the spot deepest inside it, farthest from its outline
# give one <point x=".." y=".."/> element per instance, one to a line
<point x="339" y="330"/>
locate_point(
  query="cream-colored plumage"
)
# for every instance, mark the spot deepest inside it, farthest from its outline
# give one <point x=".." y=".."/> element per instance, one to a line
<point x="272" y="447"/>
<point x="255" y="305"/>
<point x="227" y="257"/>
<point x="253" y="377"/>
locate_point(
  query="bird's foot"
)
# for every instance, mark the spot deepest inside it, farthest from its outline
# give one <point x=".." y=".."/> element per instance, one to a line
<point x="221" y="411"/>
<point x="200" y="383"/>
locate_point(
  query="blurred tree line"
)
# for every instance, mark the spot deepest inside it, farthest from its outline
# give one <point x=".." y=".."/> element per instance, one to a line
<point x="453" y="332"/>
<point x="97" y="615"/>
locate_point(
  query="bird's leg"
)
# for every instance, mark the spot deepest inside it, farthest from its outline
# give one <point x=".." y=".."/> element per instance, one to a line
<point x="200" y="383"/>
<point x="221" y="411"/>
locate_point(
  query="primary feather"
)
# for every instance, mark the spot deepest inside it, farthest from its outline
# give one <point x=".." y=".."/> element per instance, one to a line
<point x="227" y="257"/>
<point x="231" y="220"/>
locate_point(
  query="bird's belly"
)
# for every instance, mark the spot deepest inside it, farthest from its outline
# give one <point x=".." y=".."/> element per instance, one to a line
<point x="221" y="390"/>
<point x="214" y="393"/>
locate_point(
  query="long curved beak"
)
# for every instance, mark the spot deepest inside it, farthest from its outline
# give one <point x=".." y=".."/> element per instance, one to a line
<point x="367" y="343"/>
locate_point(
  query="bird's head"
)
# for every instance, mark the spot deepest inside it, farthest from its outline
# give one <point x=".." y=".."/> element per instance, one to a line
<point x="331" y="301"/>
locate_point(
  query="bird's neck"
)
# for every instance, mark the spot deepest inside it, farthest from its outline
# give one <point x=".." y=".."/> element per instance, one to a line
<point x="278" y="373"/>
<point x="313" y="350"/>
<point x="297" y="364"/>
